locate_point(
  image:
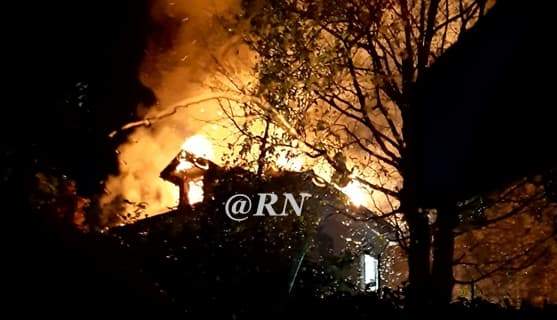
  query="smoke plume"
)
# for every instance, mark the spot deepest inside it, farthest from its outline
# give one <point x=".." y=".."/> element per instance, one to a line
<point x="187" y="40"/>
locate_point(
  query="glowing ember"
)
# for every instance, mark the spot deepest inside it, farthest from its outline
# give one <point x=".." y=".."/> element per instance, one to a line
<point x="356" y="193"/>
<point x="199" y="146"/>
<point x="195" y="191"/>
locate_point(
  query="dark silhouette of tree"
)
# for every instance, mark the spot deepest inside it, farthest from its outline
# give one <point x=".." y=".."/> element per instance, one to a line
<point x="336" y="80"/>
<point x="335" y="86"/>
<point x="509" y="243"/>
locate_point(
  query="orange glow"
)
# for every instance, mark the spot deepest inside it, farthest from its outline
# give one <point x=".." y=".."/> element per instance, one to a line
<point x="290" y="164"/>
<point x="195" y="191"/>
<point x="199" y="146"/>
<point x="356" y="193"/>
<point x="184" y="165"/>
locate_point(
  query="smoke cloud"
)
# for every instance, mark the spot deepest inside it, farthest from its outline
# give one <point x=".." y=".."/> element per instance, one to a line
<point x="188" y="38"/>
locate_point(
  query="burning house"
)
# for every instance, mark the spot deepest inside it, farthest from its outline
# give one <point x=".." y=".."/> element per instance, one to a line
<point x="291" y="248"/>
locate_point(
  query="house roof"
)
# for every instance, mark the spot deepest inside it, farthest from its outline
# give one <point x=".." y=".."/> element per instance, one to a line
<point x="329" y="207"/>
<point x="485" y="113"/>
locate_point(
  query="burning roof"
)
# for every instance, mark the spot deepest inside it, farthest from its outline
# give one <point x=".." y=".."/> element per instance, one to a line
<point x="204" y="184"/>
<point x="264" y="246"/>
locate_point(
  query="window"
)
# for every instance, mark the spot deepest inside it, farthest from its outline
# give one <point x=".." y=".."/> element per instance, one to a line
<point x="370" y="273"/>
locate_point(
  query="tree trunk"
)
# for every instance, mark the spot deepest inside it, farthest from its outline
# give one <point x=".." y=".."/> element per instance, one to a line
<point x="419" y="246"/>
<point x="419" y="277"/>
<point x="443" y="251"/>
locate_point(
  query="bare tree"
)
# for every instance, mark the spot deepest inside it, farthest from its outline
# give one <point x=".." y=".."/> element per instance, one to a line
<point x="334" y="81"/>
<point x="510" y="237"/>
<point x="337" y="78"/>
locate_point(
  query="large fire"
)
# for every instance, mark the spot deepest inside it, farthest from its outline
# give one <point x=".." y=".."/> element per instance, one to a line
<point x="200" y="146"/>
<point x="209" y="133"/>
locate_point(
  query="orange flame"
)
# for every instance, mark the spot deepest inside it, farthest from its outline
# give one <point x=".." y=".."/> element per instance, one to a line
<point x="356" y="193"/>
<point x="201" y="147"/>
<point x="195" y="191"/>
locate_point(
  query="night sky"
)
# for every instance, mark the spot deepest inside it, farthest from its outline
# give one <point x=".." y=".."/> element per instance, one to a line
<point x="76" y="80"/>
